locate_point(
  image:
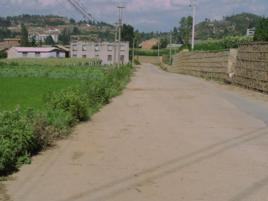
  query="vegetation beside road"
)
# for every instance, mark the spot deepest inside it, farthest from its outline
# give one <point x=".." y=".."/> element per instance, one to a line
<point x="63" y="100"/>
<point x="222" y="44"/>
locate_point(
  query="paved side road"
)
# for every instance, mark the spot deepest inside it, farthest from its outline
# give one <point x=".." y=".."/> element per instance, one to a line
<point x="167" y="138"/>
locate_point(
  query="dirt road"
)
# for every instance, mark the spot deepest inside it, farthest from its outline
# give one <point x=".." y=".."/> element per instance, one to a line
<point x="167" y="138"/>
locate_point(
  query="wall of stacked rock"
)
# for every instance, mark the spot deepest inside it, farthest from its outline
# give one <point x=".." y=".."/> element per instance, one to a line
<point x="251" y="68"/>
<point x="209" y="65"/>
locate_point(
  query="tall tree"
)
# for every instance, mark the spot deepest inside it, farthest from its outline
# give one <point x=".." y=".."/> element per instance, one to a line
<point x="24" y="40"/>
<point x="128" y="33"/>
<point x="261" y="33"/>
<point x="49" y="41"/>
<point x="33" y="41"/>
<point x="65" y="36"/>
<point x="186" y="29"/>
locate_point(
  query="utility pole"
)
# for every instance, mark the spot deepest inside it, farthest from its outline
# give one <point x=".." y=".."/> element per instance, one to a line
<point x="193" y="5"/>
<point x="120" y="24"/>
<point x="170" y="44"/>
<point x="133" y="51"/>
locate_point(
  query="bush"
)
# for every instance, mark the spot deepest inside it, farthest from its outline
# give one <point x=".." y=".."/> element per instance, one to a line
<point x="70" y="101"/>
<point x="16" y="139"/>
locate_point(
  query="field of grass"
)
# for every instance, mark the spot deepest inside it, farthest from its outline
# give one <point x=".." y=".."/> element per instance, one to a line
<point x="27" y="92"/>
<point x="42" y="99"/>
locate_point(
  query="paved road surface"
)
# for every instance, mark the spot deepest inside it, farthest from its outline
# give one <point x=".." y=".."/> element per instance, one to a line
<point x="167" y="138"/>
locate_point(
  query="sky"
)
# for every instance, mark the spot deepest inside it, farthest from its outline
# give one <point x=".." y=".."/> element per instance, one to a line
<point x="144" y="15"/>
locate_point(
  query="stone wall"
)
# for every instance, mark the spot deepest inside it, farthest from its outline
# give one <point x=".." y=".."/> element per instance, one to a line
<point x="251" y="69"/>
<point x="211" y="65"/>
<point x="246" y="66"/>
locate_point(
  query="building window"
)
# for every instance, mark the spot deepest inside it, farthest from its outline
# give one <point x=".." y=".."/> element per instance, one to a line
<point x="25" y="54"/>
<point x="110" y="57"/>
<point x="110" y="48"/>
<point x="84" y="48"/>
<point x="58" y="54"/>
<point x="97" y="48"/>
<point x="84" y="56"/>
<point x="37" y="54"/>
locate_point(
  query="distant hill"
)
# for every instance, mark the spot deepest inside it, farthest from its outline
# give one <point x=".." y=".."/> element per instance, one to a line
<point x="10" y="26"/>
<point x="235" y="25"/>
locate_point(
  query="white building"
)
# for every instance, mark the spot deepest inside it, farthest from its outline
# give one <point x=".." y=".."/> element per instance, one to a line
<point x="105" y="51"/>
<point x="41" y="37"/>
<point x="35" y="52"/>
<point x="251" y="32"/>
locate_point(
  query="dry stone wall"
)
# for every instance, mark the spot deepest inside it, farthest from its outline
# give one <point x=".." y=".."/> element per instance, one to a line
<point x="211" y="65"/>
<point x="246" y="66"/>
<point x="251" y="69"/>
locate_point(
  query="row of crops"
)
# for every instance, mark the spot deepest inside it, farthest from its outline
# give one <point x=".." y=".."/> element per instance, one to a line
<point x="41" y="100"/>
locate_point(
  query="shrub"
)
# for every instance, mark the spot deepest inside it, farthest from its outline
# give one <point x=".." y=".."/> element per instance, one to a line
<point x="72" y="101"/>
<point x="16" y="139"/>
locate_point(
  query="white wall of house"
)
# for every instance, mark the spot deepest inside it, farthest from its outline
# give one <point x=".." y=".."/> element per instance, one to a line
<point x="13" y="53"/>
<point x="106" y="52"/>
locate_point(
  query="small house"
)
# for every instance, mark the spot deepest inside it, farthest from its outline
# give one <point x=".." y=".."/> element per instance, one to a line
<point x="35" y="52"/>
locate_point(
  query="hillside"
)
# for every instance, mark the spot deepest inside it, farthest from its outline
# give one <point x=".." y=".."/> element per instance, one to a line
<point x="10" y="26"/>
<point x="235" y="25"/>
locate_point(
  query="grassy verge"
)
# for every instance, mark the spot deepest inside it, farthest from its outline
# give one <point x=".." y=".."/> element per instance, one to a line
<point x="57" y="105"/>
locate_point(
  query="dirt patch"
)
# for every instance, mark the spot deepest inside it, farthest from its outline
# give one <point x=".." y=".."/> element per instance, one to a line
<point x="3" y="193"/>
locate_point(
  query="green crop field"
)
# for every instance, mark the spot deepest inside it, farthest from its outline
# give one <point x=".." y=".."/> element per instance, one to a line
<point x="27" y="92"/>
<point x="24" y="83"/>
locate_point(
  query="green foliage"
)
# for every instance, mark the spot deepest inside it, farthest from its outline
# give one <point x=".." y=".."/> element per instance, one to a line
<point x="24" y="133"/>
<point x="261" y="33"/>
<point x="186" y="29"/>
<point x="49" y="41"/>
<point x="128" y="33"/>
<point x="3" y="54"/>
<point x="235" y="25"/>
<point x="24" y="41"/>
<point x="137" y="62"/>
<point x="16" y="139"/>
<point x="223" y="44"/>
<point x="71" y="101"/>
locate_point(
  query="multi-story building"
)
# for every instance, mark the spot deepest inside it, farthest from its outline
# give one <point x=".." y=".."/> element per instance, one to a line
<point x="107" y="52"/>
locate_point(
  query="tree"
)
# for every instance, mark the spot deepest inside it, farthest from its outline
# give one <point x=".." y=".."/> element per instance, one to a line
<point x="186" y="29"/>
<point x="261" y="33"/>
<point x="49" y="41"/>
<point x="72" y="21"/>
<point x="33" y="41"/>
<point x="76" y="31"/>
<point x="24" y="40"/>
<point x="65" y="36"/>
<point x="128" y="33"/>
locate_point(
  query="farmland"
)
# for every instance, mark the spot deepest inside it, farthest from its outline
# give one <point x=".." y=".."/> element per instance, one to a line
<point x="25" y="92"/>
<point x="41" y="100"/>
